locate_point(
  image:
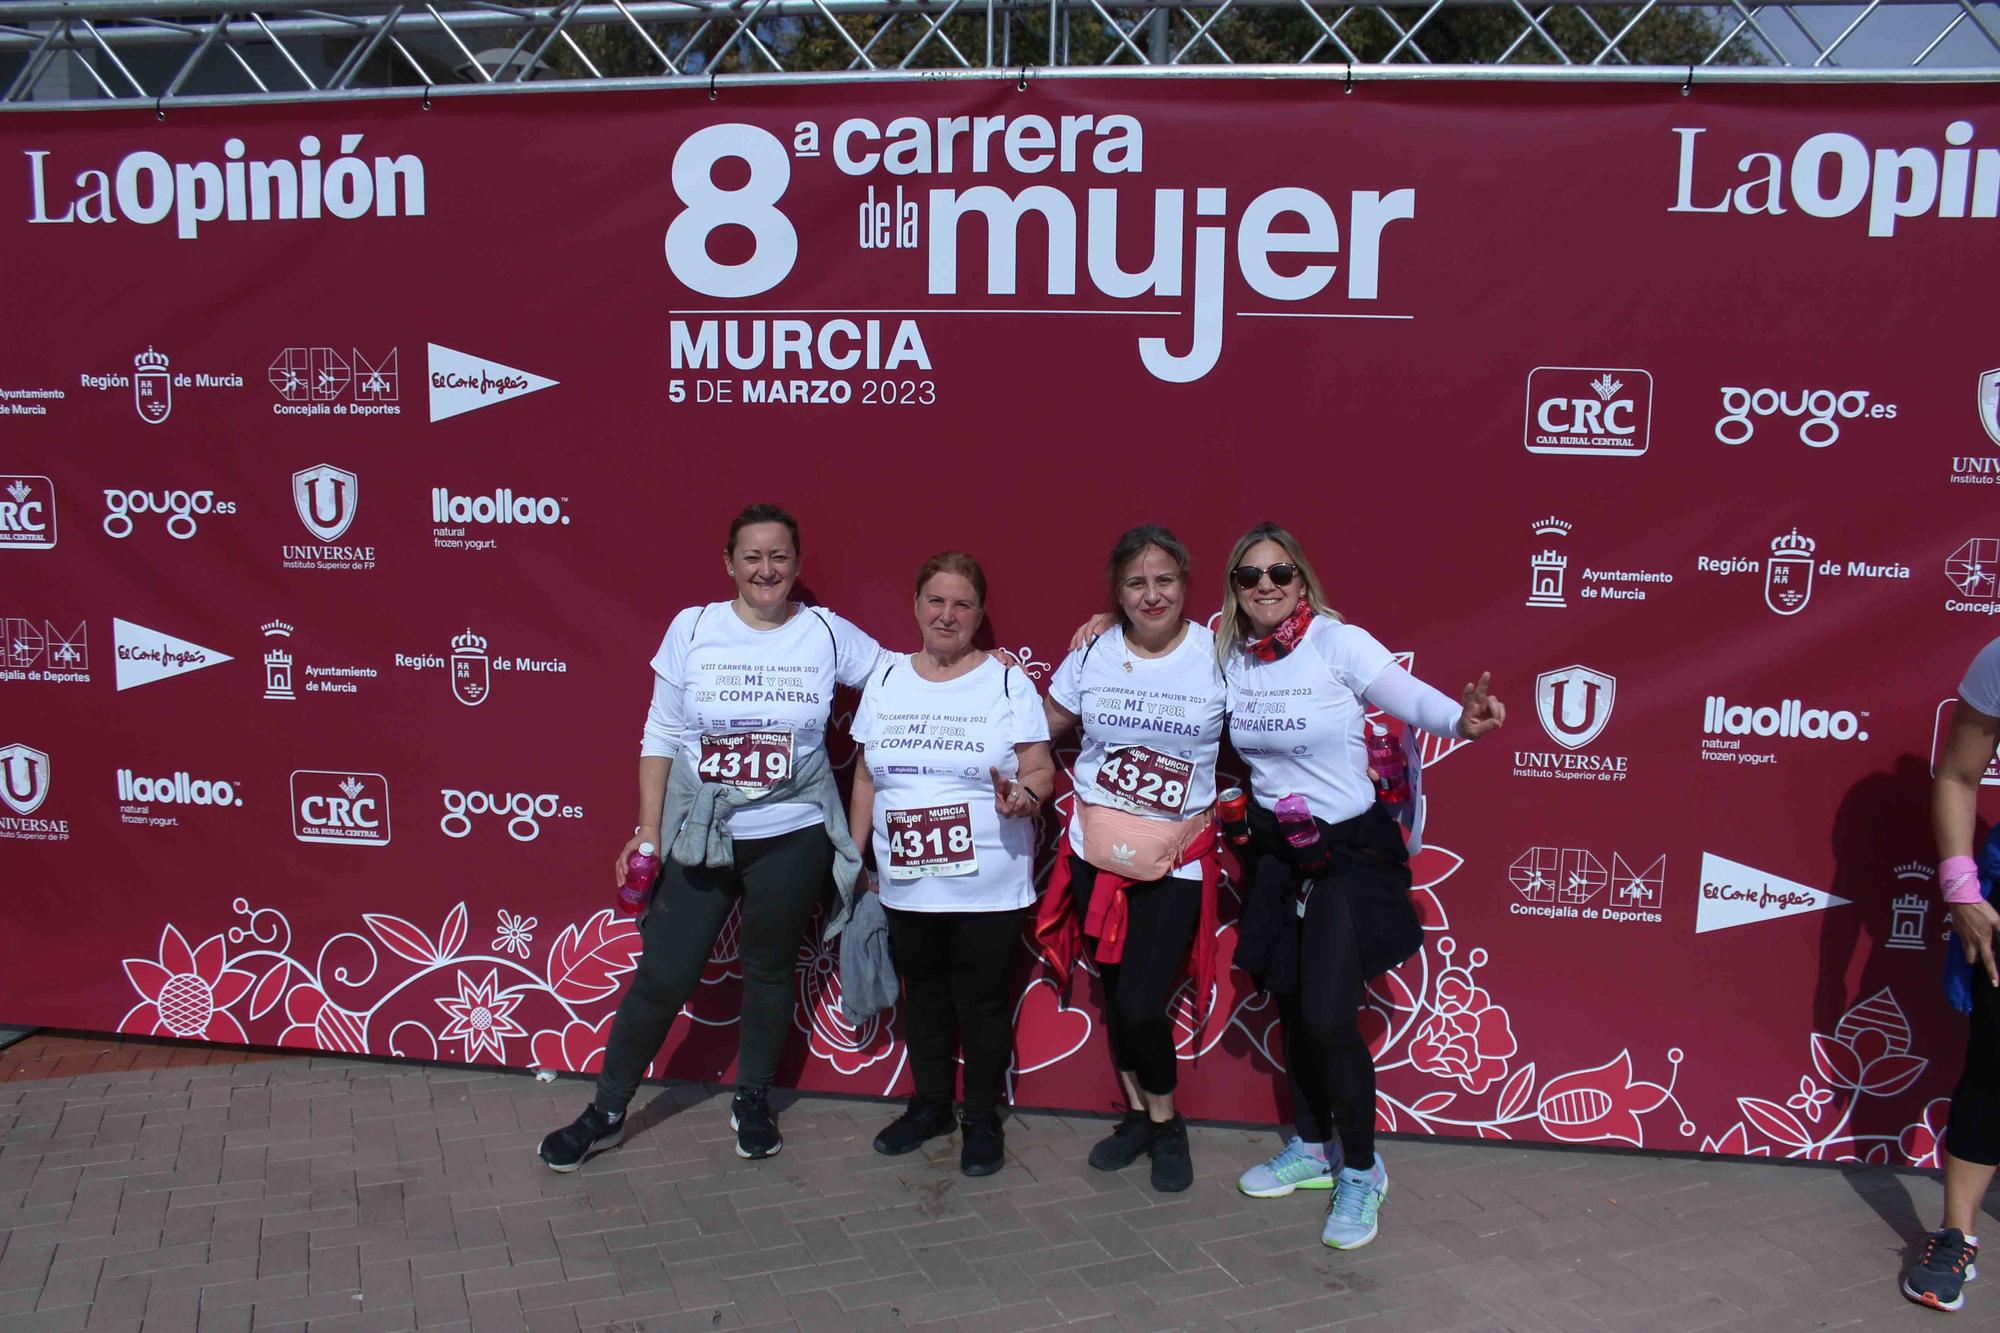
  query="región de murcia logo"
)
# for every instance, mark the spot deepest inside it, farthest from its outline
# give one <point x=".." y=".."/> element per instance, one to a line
<point x="1789" y="569"/>
<point x="472" y="667"/>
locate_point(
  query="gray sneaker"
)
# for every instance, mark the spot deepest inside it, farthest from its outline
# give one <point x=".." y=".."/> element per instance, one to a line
<point x="1294" y="1168"/>
<point x="1350" y="1217"/>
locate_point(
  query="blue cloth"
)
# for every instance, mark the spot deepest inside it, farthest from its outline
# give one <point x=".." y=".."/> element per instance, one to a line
<point x="1957" y="969"/>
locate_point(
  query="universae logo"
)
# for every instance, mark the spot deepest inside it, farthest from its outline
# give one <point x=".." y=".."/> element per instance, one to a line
<point x="1574" y="703"/>
<point x="24" y="778"/>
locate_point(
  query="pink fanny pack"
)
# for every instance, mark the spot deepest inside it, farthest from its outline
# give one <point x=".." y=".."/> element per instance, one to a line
<point x="1136" y="847"/>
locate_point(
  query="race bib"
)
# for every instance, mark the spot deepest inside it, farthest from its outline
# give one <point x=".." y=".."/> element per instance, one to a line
<point x="931" y="840"/>
<point x="1140" y="779"/>
<point x="752" y="761"/>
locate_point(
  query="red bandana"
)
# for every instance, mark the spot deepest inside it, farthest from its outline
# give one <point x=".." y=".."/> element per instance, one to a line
<point x="1283" y="639"/>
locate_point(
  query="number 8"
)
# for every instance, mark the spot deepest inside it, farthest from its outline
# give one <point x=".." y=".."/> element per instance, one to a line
<point x="751" y="207"/>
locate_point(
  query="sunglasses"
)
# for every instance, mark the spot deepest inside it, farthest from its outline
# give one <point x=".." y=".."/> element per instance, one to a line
<point x="1249" y="576"/>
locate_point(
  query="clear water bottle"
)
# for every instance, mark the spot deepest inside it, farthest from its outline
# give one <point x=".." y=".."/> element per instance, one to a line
<point x="1392" y="770"/>
<point x="641" y="869"/>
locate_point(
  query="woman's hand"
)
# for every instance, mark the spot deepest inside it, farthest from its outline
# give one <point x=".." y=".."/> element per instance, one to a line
<point x="651" y="835"/>
<point x="1091" y="628"/>
<point x="1483" y="713"/>
<point x="1012" y="799"/>
<point x="1974" y="924"/>
<point x="867" y="883"/>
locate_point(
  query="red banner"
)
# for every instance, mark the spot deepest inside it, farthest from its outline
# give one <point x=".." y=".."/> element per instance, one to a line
<point x="356" y="457"/>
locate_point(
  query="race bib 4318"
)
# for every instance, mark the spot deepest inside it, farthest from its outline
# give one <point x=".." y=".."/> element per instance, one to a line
<point x="931" y="840"/>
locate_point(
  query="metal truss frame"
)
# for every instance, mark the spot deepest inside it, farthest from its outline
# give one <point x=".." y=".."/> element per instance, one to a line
<point x="75" y="54"/>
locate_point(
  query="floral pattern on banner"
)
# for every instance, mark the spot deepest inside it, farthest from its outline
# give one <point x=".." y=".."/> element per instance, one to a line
<point x="1867" y="1055"/>
<point x="1452" y="1055"/>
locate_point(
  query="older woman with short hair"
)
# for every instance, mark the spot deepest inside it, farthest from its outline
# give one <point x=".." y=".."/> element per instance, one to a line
<point x="952" y="764"/>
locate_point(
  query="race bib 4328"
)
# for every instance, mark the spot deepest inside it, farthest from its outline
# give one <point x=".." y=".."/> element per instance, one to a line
<point x="1140" y="779"/>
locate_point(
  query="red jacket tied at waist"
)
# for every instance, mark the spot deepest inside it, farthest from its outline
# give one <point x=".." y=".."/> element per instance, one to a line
<point x="1061" y="935"/>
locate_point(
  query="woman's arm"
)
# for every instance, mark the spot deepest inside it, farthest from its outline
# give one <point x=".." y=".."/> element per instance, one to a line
<point x="1412" y="702"/>
<point x="1035" y="782"/>
<point x="1060" y="720"/>
<point x="861" y="811"/>
<point x="665" y="728"/>
<point x="1954" y="812"/>
<point x="1968" y="749"/>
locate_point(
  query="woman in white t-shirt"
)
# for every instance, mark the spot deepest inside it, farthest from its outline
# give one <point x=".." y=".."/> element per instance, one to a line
<point x="1138" y="878"/>
<point x="1320" y="921"/>
<point x="952" y="763"/>
<point x="733" y="773"/>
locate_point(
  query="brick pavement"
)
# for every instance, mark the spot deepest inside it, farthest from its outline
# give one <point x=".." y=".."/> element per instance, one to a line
<point x="286" y="1193"/>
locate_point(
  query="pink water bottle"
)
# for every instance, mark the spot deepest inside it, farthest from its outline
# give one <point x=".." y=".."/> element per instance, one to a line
<point x="641" y="869"/>
<point x="1295" y="821"/>
<point x="1392" y="770"/>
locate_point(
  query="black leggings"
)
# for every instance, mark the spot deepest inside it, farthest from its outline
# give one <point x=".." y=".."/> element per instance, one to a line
<point x="1973" y="1134"/>
<point x="1160" y="921"/>
<point x="1331" y="1071"/>
<point x="956" y="967"/>
<point x="779" y="880"/>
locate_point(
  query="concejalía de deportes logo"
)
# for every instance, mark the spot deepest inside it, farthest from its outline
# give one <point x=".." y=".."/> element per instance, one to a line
<point x="1282" y="242"/>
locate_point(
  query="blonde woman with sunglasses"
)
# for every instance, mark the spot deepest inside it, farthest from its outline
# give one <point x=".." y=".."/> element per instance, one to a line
<point x="1320" y="920"/>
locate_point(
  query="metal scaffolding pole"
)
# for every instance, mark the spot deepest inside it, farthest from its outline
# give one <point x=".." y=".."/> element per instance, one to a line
<point x="167" y="51"/>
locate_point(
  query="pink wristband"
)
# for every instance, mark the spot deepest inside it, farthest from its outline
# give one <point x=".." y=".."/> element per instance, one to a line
<point x="1959" y="877"/>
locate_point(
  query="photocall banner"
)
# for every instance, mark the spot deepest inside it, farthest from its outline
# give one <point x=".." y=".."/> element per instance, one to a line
<point x="356" y="457"/>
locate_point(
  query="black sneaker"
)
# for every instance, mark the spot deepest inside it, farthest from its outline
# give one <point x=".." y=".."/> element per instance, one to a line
<point x="1124" y="1144"/>
<point x="592" y="1132"/>
<point x="919" y="1121"/>
<point x="1167" y="1145"/>
<point x="1940" y="1276"/>
<point x="756" y="1128"/>
<point x="985" y="1147"/>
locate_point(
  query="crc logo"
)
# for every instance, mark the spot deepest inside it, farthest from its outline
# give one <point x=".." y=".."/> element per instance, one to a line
<point x="183" y="510"/>
<point x="24" y="778"/>
<point x="1574" y="703"/>
<point x="1819" y="412"/>
<point x="27" y="513"/>
<point x="1588" y="411"/>
<point x="524" y="812"/>
<point x="340" y="806"/>
<point x="327" y="499"/>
